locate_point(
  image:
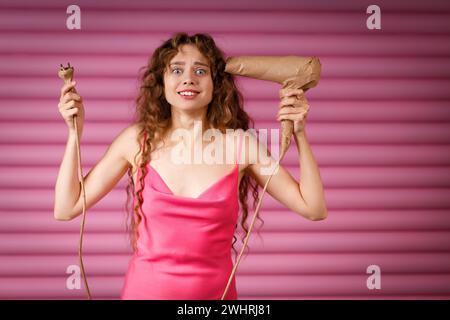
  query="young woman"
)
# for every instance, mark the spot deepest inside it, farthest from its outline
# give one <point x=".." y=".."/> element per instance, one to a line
<point x="185" y="213"/>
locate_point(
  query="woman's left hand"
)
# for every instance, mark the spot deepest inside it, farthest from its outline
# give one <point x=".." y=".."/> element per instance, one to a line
<point x="293" y="106"/>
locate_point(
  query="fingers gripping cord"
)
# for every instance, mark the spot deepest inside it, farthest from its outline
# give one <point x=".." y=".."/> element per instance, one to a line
<point x="66" y="74"/>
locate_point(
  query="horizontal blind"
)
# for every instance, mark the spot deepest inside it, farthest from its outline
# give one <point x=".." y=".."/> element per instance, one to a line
<point x="378" y="127"/>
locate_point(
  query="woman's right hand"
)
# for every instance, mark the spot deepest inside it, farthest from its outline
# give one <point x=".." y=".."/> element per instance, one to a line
<point x="70" y="103"/>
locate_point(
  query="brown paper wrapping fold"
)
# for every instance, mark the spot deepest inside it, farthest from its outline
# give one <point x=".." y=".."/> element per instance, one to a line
<point x="291" y="72"/>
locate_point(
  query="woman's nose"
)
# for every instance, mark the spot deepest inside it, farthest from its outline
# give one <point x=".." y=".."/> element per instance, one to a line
<point x="188" y="77"/>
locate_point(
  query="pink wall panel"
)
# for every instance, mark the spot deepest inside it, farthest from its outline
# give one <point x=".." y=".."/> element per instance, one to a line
<point x="378" y="126"/>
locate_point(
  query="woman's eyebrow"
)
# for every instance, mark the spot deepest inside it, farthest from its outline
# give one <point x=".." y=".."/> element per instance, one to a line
<point x="195" y="63"/>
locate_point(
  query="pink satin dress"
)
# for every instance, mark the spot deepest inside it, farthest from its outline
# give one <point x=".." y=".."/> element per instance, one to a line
<point x="184" y="247"/>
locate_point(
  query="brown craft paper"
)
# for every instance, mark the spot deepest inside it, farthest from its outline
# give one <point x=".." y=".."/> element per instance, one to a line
<point x="291" y="72"/>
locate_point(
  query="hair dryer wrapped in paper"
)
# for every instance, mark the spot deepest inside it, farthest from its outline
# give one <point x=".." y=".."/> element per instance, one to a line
<point x="291" y="72"/>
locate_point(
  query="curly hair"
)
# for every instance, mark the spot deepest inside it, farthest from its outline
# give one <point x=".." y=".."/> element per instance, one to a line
<point x="153" y="112"/>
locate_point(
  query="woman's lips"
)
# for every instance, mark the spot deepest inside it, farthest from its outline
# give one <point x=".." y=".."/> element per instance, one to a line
<point x="189" y="97"/>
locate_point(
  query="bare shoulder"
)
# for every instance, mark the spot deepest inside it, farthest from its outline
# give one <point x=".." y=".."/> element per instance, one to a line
<point x="128" y="144"/>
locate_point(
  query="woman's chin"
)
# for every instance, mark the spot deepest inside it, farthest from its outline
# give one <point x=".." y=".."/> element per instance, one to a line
<point x="190" y="106"/>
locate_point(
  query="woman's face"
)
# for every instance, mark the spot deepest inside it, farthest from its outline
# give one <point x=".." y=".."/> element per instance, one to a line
<point x="188" y="71"/>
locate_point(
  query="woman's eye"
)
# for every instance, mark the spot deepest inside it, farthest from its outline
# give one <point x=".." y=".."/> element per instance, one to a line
<point x="179" y="71"/>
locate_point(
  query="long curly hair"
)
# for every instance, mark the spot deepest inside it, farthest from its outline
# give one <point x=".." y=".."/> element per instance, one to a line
<point x="153" y="112"/>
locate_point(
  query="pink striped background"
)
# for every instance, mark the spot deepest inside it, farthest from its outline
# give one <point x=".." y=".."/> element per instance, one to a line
<point x="378" y="126"/>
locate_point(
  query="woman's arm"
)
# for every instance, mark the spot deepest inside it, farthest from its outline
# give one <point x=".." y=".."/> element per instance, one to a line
<point x="307" y="197"/>
<point x="67" y="187"/>
<point x="97" y="183"/>
<point x="310" y="186"/>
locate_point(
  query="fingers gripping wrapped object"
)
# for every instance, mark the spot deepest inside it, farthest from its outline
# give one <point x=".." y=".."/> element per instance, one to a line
<point x="291" y="72"/>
